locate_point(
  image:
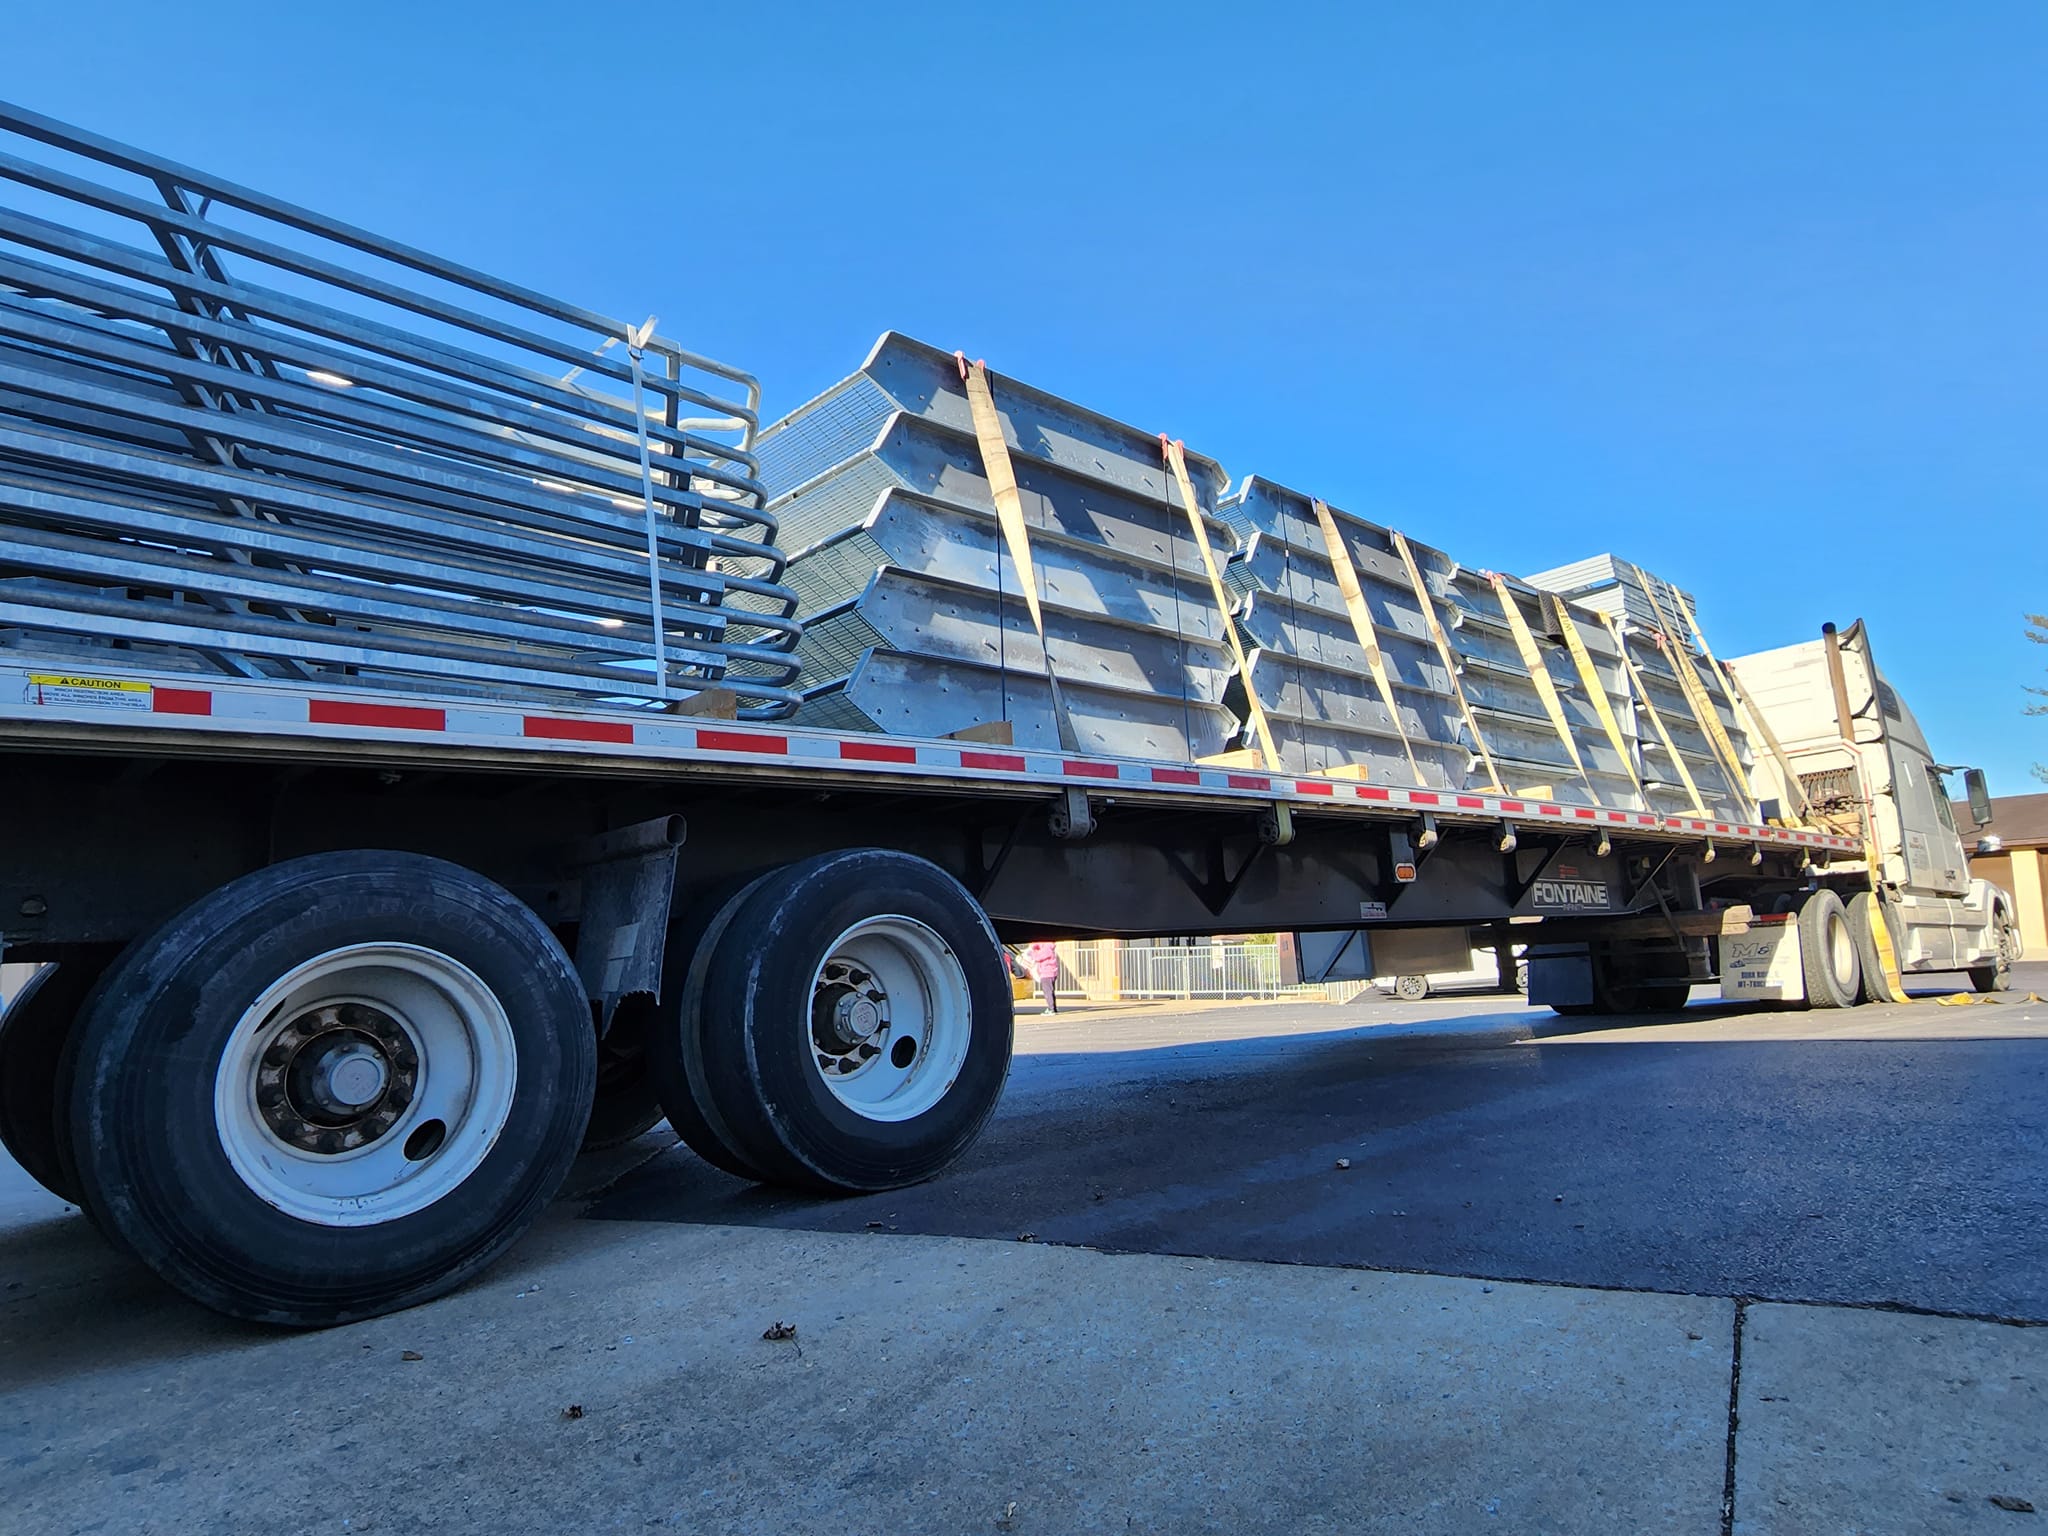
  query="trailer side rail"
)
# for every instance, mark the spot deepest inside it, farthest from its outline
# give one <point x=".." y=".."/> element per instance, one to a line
<point x="45" y="705"/>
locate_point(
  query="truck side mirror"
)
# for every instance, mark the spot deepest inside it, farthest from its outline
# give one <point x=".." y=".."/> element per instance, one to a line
<point x="1980" y="796"/>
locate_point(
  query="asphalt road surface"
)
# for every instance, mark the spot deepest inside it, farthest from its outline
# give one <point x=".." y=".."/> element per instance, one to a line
<point x="1877" y="1156"/>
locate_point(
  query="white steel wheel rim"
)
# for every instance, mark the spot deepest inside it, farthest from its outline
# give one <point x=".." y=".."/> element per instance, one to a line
<point x="891" y="1018"/>
<point x="330" y="1156"/>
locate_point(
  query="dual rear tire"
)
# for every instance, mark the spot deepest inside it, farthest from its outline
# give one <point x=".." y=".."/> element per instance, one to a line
<point x="1830" y="952"/>
<point x="842" y="1025"/>
<point x="345" y="1084"/>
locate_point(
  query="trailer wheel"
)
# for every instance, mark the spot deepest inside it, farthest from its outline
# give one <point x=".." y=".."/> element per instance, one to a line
<point x="33" y="1032"/>
<point x="855" y="1022"/>
<point x="676" y="1052"/>
<point x="336" y="1087"/>
<point x="1411" y="989"/>
<point x="1997" y="977"/>
<point x="1828" y="952"/>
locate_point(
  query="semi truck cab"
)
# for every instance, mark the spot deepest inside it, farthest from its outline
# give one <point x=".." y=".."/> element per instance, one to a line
<point x="1845" y="753"/>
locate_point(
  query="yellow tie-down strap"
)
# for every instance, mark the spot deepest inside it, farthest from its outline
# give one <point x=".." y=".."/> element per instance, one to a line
<point x="1888" y="960"/>
<point x="1596" y="691"/>
<point x="1361" y="624"/>
<point x="1540" y="678"/>
<point x="1745" y="709"/>
<point x="1445" y="655"/>
<point x="1175" y="454"/>
<point x="1699" y="701"/>
<point x="1002" y="486"/>
<point x="1649" y="707"/>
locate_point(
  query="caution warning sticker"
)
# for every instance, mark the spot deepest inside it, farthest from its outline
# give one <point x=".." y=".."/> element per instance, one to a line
<point x="90" y="692"/>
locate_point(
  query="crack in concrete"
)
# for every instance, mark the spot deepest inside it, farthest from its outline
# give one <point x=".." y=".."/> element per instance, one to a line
<point x="1734" y="1416"/>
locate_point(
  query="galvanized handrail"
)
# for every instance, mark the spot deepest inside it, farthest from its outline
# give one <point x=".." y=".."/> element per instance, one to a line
<point x="340" y="469"/>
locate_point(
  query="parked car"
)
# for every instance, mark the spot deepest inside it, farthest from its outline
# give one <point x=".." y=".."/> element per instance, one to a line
<point x="1482" y="975"/>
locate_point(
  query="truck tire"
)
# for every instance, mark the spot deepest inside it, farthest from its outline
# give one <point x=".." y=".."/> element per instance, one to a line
<point x="676" y="1052"/>
<point x="1828" y="952"/>
<point x="1862" y="908"/>
<point x="1412" y="989"/>
<point x="335" y="1087"/>
<point x="855" y="1022"/>
<point x="1997" y="977"/>
<point x="624" y="1107"/>
<point x="32" y="1035"/>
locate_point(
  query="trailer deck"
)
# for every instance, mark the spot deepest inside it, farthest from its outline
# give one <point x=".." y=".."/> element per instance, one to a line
<point x="53" y="706"/>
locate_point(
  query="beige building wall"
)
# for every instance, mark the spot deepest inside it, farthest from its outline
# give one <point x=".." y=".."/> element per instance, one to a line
<point x="2023" y="874"/>
<point x="2030" y="898"/>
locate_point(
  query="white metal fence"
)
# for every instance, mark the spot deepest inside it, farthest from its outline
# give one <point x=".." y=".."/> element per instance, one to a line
<point x="1214" y="971"/>
<point x="1198" y="970"/>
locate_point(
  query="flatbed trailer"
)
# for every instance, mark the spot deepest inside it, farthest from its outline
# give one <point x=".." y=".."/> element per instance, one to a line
<point x="397" y="797"/>
<point x="151" y="814"/>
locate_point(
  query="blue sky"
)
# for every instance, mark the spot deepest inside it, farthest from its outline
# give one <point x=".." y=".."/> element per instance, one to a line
<point x="1757" y="297"/>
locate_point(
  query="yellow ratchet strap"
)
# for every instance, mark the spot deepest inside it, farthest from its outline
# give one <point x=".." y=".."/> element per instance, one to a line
<point x="1445" y="655"/>
<point x="1881" y="935"/>
<point x="1539" y="676"/>
<point x="1362" y="625"/>
<point x="1002" y="486"/>
<point x="1176" y="459"/>
<point x="1698" y="700"/>
<point x="1747" y="708"/>
<point x="1589" y="679"/>
<point x="1642" y="695"/>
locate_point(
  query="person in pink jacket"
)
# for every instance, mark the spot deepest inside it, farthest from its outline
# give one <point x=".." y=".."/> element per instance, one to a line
<point x="1044" y="960"/>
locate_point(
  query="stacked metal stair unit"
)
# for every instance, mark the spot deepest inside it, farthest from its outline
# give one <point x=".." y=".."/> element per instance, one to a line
<point x="1326" y="713"/>
<point x="1642" y="609"/>
<point x="238" y="437"/>
<point x="914" y="617"/>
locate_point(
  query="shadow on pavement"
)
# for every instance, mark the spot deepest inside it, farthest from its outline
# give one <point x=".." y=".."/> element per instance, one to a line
<point x="1877" y="1171"/>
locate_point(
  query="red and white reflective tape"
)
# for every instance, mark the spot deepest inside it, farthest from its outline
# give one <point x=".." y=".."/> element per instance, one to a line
<point x="141" y="702"/>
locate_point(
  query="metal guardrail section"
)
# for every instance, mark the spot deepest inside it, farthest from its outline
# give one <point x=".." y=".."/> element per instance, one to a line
<point x="238" y="437"/>
<point x="906" y="583"/>
<point x="1312" y="677"/>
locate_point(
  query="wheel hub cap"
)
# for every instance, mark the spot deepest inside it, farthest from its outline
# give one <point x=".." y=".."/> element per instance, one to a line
<point x="849" y="1016"/>
<point x="336" y="1077"/>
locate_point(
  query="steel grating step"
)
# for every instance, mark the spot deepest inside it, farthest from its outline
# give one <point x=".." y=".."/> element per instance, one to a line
<point x="880" y="487"/>
<point x="918" y="695"/>
<point x="1312" y="676"/>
